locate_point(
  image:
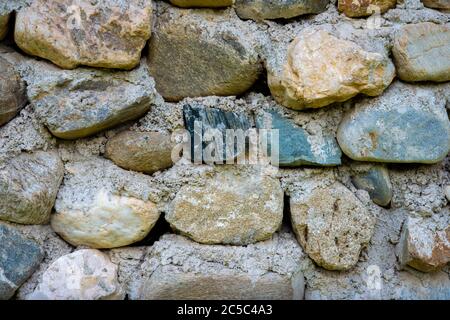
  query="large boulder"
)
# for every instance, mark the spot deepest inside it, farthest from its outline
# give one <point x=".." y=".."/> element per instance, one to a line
<point x="104" y="33"/>
<point x="321" y="69"/>
<point x="19" y="258"/>
<point x="12" y="92"/>
<point x="270" y="9"/>
<point x="331" y="224"/>
<point x="364" y="8"/>
<point x="201" y="53"/>
<point x="82" y="275"/>
<point x="230" y="208"/>
<point x="408" y="124"/>
<point x="422" y="52"/>
<point x="28" y="187"/>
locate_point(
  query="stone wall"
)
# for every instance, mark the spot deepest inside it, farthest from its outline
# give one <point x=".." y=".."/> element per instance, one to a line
<point x="93" y="95"/>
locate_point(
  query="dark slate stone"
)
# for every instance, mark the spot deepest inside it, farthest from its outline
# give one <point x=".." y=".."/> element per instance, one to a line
<point x="19" y="258"/>
<point x="295" y="148"/>
<point x="377" y="183"/>
<point x="211" y="118"/>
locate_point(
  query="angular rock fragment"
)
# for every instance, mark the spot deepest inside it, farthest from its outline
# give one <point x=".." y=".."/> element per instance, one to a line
<point x="28" y="187"/>
<point x="375" y="180"/>
<point x="364" y="8"/>
<point x="105" y="33"/>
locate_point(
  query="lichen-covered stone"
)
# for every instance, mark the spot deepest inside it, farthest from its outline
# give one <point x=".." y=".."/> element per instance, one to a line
<point x="12" y="92"/>
<point x="375" y="180"/>
<point x="94" y="209"/>
<point x="4" y="19"/>
<point x="82" y="275"/>
<point x="408" y="124"/>
<point x="177" y="268"/>
<point x="202" y="3"/>
<point x="422" y="52"/>
<point x="295" y="144"/>
<point x="229" y="208"/>
<point x="276" y="9"/>
<point x="19" y="258"/>
<point x="141" y="151"/>
<point x="78" y="103"/>
<point x="105" y="33"/>
<point x="437" y="4"/>
<point x="28" y="187"/>
<point x="331" y="224"/>
<point x="321" y="69"/>
<point x="201" y="53"/>
<point x="425" y="243"/>
<point x="363" y="8"/>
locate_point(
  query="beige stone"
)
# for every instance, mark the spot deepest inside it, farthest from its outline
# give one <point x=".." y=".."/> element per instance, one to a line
<point x="331" y="224"/>
<point x="364" y="8"/>
<point x="422" y="52"/>
<point x="141" y="151"/>
<point x="321" y="69"/>
<point x="105" y="33"/>
<point x="437" y="4"/>
<point x="425" y="243"/>
<point x="82" y="275"/>
<point x="202" y="3"/>
<point x="4" y="19"/>
<point x="230" y="208"/>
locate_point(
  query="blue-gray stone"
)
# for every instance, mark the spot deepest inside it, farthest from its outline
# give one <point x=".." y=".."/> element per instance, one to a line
<point x="212" y="119"/>
<point x="376" y="182"/>
<point x="407" y="124"/>
<point x="19" y="258"/>
<point x="296" y="147"/>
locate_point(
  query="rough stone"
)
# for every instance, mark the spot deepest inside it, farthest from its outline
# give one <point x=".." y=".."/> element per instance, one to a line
<point x="201" y="53"/>
<point x="408" y="124"/>
<point x="331" y="224"/>
<point x="269" y="9"/>
<point x="295" y="146"/>
<point x="202" y="3"/>
<point x="375" y="180"/>
<point x="141" y="151"/>
<point x="4" y="19"/>
<point x="93" y="209"/>
<point x="437" y="4"/>
<point x="79" y="103"/>
<point x="177" y="268"/>
<point x="230" y="208"/>
<point x="82" y="275"/>
<point x="422" y="52"/>
<point x="345" y="71"/>
<point x="447" y="192"/>
<point x="105" y="33"/>
<point x="364" y="8"/>
<point x="213" y="121"/>
<point x="19" y="258"/>
<point x="425" y="243"/>
<point x="28" y="187"/>
<point x="12" y="92"/>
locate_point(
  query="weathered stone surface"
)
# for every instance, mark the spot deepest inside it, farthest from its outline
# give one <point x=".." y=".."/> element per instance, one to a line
<point x="230" y="208"/>
<point x="12" y="92"/>
<point x="270" y="9"/>
<point x="28" y="187"/>
<point x="407" y="124"/>
<point x="425" y="243"/>
<point x="331" y="224"/>
<point x="4" y="19"/>
<point x="447" y="192"/>
<point x="296" y="147"/>
<point x="363" y="8"/>
<point x="82" y="275"/>
<point x="345" y="71"/>
<point x="105" y="33"/>
<point x="19" y="258"/>
<point x="436" y="4"/>
<point x="422" y="52"/>
<point x="201" y="53"/>
<point x="93" y="209"/>
<point x="78" y="103"/>
<point x="177" y="268"/>
<point x="210" y="121"/>
<point x="141" y="151"/>
<point x="202" y="3"/>
<point x="375" y="180"/>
